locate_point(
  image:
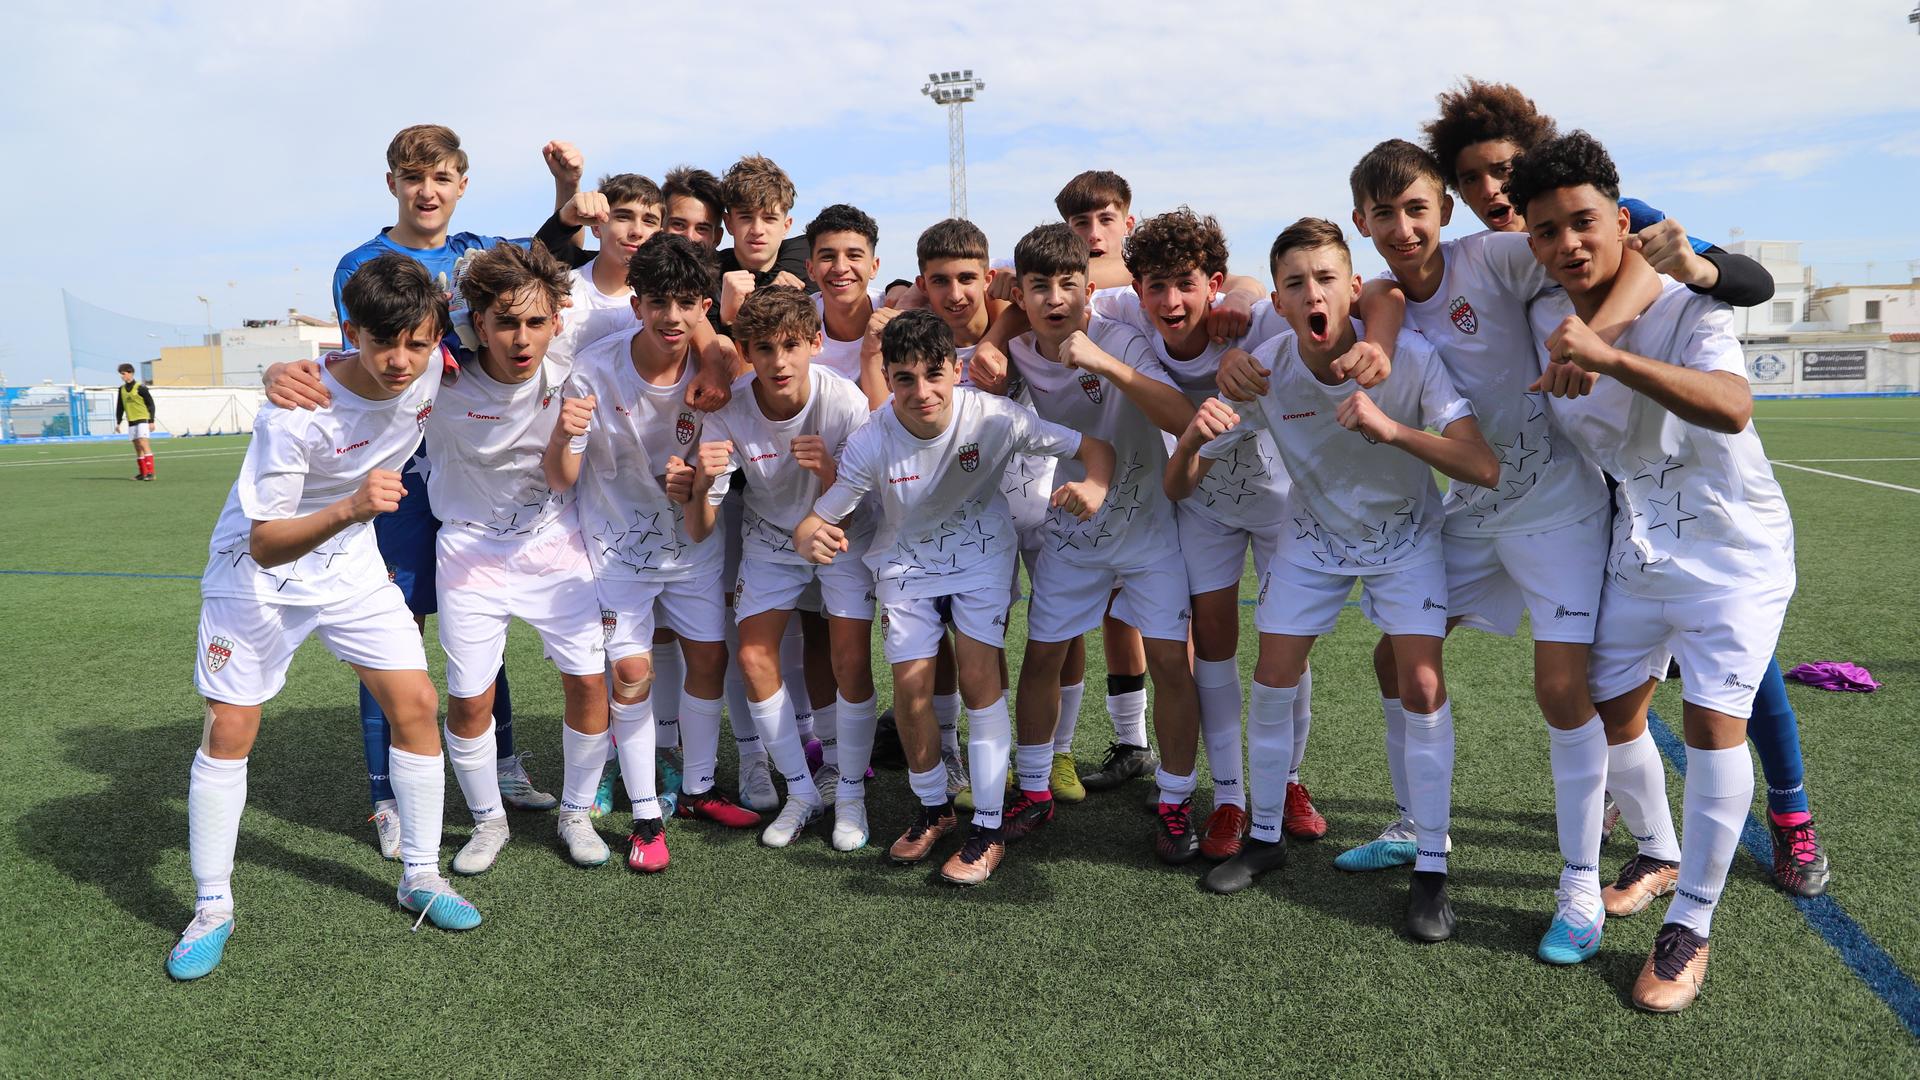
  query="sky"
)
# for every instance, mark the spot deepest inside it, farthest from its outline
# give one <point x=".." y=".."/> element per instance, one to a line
<point x="163" y="152"/>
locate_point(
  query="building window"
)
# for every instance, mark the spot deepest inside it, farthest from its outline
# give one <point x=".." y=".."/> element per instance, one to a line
<point x="1783" y="311"/>
<point x="1873" y="311"/>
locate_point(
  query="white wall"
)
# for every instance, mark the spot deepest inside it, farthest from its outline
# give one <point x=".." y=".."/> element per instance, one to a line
<point x="1783" y="371"/>
<point x="185" y="410"/>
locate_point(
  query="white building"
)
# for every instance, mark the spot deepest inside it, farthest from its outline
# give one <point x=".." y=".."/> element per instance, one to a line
<point x="247" y="350"/>
<point x="1867" y="309"/>
<point x="1843" y="339"/>
<point x="1791" y="282"/>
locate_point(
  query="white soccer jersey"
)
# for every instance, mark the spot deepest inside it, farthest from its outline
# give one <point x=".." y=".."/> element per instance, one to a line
<point x="304" y="460"/>
<point x="779" y="493"/>
<point x="1248" y="489"/>
<point x="1698" y="512"/>
<point x="592" y="316"/>
<point x="841" y="357"/>
<point x="488" y="441"/>
<point x="632" y="530"/>
<point x="1135" y="525"/>
<point x="1477" y="321"/>
<point x="1357" y="507"/>
<point x="944" y="525"/>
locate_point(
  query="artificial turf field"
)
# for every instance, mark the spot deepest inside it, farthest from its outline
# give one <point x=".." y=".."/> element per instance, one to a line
<point x="1082" y="956"/>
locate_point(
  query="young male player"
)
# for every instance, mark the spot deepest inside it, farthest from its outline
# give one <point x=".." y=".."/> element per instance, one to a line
<point x="510" y="547"/>
<point x="623" y="213"/>
<point x="1481" y="129"/>
<point x="427" y="176"/>
<point x="1701" y="567"/>
<point x="943" y="551"/>
<point x="623" y="429"/>
<point x="1100" y="377"/>
<point x="291" y="556"/>
<point x="1179" y="263"/>
<point x="1361" y="508"/>
<point x="133" y="406"/>
<point x="841" y="261"/>
<point x="757" y="204"/>
<point x="1511" y="545"/>
<point x="783" y="433"/>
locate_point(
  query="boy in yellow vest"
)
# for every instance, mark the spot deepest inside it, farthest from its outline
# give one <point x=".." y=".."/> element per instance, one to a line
<point x="134" y="407"/>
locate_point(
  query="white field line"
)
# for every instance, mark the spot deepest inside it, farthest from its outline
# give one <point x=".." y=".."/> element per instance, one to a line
<point x="1844" y="476"/>
<point x="1820" y="460"/>
<point x="111" y="457"/>
<point x="1808" y="419"/>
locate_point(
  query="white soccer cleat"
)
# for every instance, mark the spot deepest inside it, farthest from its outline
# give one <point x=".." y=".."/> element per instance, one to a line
<point x="584" y="845"/>
<point x="516" y="787"/>
<point x="826" y="780"/>
<point x="849" y="824"/>
<point x="386" y="827"/>
<point x="479" y="853"/>
<point x="794" y="817"/>
<point x="756" y="785"/>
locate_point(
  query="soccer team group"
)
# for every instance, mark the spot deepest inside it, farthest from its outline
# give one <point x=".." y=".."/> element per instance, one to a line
<point x="698" y="473"/>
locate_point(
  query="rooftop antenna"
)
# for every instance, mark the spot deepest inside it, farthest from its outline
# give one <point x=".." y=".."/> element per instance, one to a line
<point x="954" y="89"/>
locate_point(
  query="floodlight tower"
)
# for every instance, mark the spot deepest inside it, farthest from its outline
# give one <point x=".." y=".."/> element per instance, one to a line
<point x="954" y="89"/>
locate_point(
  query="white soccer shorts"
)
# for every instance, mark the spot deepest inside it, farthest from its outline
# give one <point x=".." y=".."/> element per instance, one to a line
<point x="1216" y="554"/>
<point x="246" y="646"/>
<point x="911" y="628"/>
<point x="545" y="580"/>
<point x="1723" y="643"/>
<point x="140" y="429"/>
<point x="1306" y="603"/>
<point x="843" y="588"/>
<point x="1556" y="575"/>
<point x="1070" y="599"/>
<point x="694" y="608"/>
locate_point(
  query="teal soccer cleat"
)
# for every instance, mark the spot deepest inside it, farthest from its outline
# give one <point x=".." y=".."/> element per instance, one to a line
<point x="433" y="899"/>
<point x="1570" y="940"/>
<point x="201" y="944"/>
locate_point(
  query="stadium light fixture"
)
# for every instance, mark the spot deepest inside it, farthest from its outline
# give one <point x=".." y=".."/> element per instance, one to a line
<point x="954" y="90"/>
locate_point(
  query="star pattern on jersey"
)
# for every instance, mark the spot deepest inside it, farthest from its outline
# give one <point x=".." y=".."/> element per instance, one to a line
<point x="904" y="558"/>
<point x="1378" y="537"/>
<point x="1517" y="489"/>
<point x="238" y="551"/>
<point x="1517" y="453"/>
<point x="1327" y="554"/>
<point x="977" y="534"/>
<point x="1409" y="513"/>
<point x="758" y="530"/>
<point x="1656" y="471"/>
<point x="1246" y="456"/>
<point x="421" y="466"/>
<point x="1309" y="528"/>
<point x="1125" y="501"/>
<point x="1020" y="486"/>
<point x="1238" y="490"/>
<point x="336" y="547"/>
<point x="503" y="523"/>
<point x="1669" y="515"/>
<point x="1536" y="405"/>
<point x="942" y="566"/>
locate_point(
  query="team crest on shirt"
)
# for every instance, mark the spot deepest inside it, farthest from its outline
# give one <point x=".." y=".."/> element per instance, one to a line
<point x="609" y="619"/>
<point x="219" y="651"/>
<point x="546" y="392"/>
<point x="420" y="415"/>
<point x="1091" y="384"/>
<point x="970" y="456"/>
<point x="1462" y="315"/>
<point x="683" y="427"/>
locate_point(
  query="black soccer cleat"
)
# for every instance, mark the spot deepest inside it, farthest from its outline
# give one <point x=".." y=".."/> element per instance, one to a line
<point x="1256" y="857"/>
<point x="1429" y="913"/>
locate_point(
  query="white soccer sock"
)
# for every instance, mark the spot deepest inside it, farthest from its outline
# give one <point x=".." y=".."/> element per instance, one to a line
<point x="775" y="715"/>
<point x="930" y="786"/>
<point x="793" y="677"/>
<point x="989" y="739"/>
<point x="1638" y="782"/>
<point x="585" y="757"/>
<point x="699" y="743"/>
<point x="1269" y="750"/>
<point x="420" y="797"/>
<point x="1579" y="801"/>
<point x="669" y="681"/>
<point x="1302" y="723"/>
<point x="633" y="732"/>
<point x="1070" y="698"/>
<point x="1129" y="712"/>
<point x="1218" y="682"/>
<point x="1033" y="766"/>
<point x="1174" y="789"/>
<point x="856" y="721"/>
<point x="826" y="726"/>
<point x="216" y="794"/>
<point x="946" y="713"/>
<point x="1430" y="784"/>
<point x="1396" y="718"/>
<point x="473" y="766"/>
<point x="1714" y="809"/>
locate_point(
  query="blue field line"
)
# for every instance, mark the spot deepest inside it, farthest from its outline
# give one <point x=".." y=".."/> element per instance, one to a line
<point x="1863" y="956"/>
<point x="101" y="573"/>
<point x="1859" y="394"/>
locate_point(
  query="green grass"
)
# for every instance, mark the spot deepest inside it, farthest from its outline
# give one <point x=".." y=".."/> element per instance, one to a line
<point x="1081" y="956"/>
